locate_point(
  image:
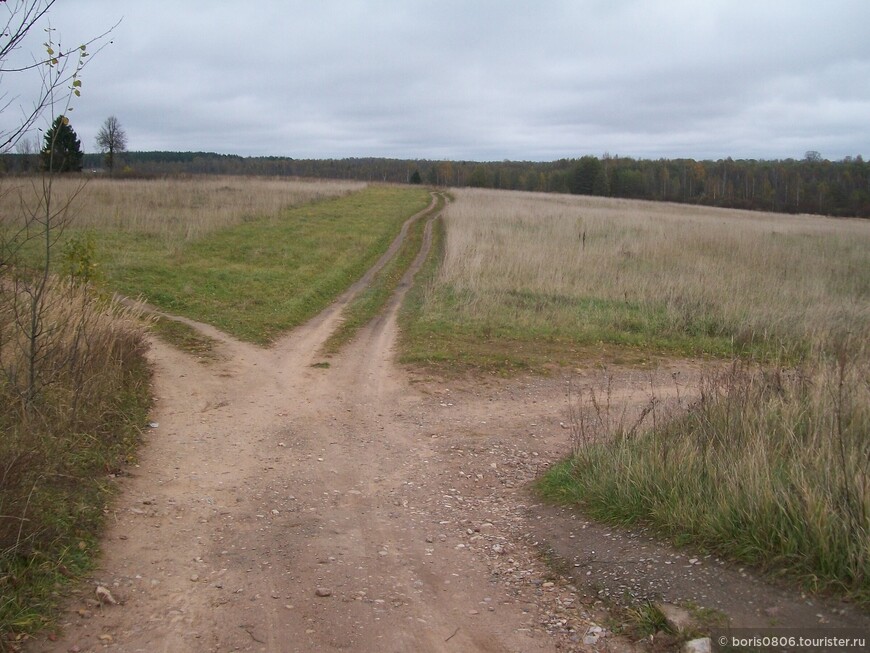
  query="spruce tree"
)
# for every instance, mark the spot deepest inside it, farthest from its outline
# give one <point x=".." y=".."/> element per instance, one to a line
<point x="62" y="150"/>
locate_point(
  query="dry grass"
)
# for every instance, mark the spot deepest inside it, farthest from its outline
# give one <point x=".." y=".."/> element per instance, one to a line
<point x="178" y="209"/>
<point x="771" y="464"/>
<point x="59" y="446"/>
<point x="769" y="467"/>
<point x="650" y="273"/>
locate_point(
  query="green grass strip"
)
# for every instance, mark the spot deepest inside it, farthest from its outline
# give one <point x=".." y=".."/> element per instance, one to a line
<point x="371" y="301"/>
<point x="262" y="278"/>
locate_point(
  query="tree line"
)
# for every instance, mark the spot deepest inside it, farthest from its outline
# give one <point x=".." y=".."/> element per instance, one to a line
<point x="808" y="185"/>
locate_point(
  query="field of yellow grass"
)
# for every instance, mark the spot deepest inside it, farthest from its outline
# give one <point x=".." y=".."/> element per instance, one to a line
<point x="691" y="280"/>
<point x="180" y="209"/>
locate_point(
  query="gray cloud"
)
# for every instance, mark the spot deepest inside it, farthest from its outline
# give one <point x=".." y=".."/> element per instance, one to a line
<point x="478" y="80"/>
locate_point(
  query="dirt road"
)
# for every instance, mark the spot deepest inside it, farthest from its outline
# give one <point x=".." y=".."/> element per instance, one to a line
<point x="283" y="507"/>
<point x="279" y="506"/>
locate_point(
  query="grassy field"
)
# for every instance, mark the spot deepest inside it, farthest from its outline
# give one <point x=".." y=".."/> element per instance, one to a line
<point x="529" y="279"/>
<point x="183" y="209"/>
<point x="771" y="466"/>
<point x="261" y="278"/>
<point x="253" y="257"/>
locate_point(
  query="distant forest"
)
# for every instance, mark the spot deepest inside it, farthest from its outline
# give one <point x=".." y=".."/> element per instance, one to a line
<point x="808" y="185"/>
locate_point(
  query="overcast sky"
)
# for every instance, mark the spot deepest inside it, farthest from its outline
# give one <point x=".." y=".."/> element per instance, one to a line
<point x="474" y="80"/>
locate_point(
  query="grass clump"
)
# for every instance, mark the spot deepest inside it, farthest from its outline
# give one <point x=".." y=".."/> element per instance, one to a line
<point x="61" y="444"/>
<point x="771" y="468"/>
<point x="184" y="337"/>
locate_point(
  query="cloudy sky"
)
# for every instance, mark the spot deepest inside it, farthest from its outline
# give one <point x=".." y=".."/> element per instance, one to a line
<point x="473" y="80"/>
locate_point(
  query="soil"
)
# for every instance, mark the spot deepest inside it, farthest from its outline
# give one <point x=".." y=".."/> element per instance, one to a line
<point x="279" y="505"/>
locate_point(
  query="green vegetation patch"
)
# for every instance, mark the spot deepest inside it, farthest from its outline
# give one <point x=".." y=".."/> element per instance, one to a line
<point x="768" y="468"/>
<point x="534" y="331"/>
<point x="261" y="278"/>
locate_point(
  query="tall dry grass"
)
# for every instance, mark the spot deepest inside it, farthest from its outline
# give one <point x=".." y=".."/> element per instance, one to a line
<point x="557" y="264"/>
<point x="59" y="445"/>
<point x="767" y="466"/>
<point x="177" y="209"/>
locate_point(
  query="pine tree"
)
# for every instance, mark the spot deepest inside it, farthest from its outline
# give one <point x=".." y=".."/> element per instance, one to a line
<point x="62" y="150"/>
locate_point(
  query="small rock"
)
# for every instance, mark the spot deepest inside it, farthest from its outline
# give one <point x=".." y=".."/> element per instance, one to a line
<point x="323" y="592"/>
<point x="106" y="639"/>
<point x="676" y="617"/>
<point x="700" y="645"/>
<point x="593" y="634"/>
<point x="194" y="578"/>
<point x="75" y="648"/>
<point x="105" y="596"/>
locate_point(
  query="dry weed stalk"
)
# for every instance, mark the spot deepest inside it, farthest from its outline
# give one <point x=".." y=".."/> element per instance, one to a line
<point x="594" y="419"/>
